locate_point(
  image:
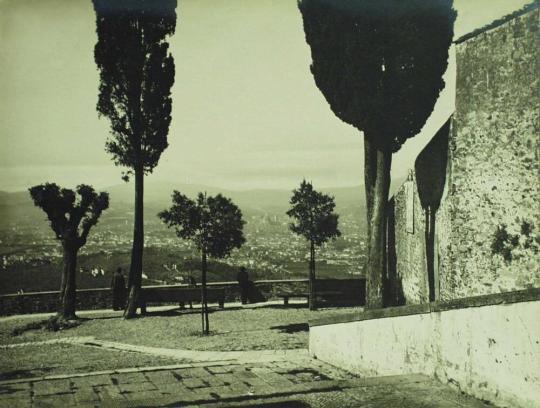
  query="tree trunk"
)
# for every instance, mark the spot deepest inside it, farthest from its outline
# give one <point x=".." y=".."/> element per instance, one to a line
<point x="135" y="270"/>
<point x="68" y="293"/>
<point x="63" y="285"/>
<point x="312" y="294"/>
<point x="370" y="156"/>
<point x="204" y="300"/>
<point x="377" y="174"/>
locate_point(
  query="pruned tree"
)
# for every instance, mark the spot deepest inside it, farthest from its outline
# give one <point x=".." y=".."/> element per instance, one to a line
<point x="379" y="64"/>
<point x="71" y="215"/>
<point x="136" y="75"/>
<point x="214" y="224"/>
<point x="316" y="221"/>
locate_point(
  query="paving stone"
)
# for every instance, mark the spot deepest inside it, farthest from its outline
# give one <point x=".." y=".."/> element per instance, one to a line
<point x="256" y="383"/>
<point x="225" y="379"/>
<point x="245" y="374"/>
<point x="128" y="378"/>
<point x="225" y="391"/>
<point x="91" y="381"/>
<point x="145" y="399"/>
<point x="199" y="394"/>
<point x="15" y="391"/>
<point x="195" y="372"/>
<point x="51" y="387"/>
<point x="58" y="400"/>
<point x="88" y="404"/>
<point x="85" y="395"/>
<point x="13" y="388"/>
<point x="161" y="377"/>
<point x="19" y="395"/>
<point x="177" y="387"/>
<point x="15" y="402"/>
<point x="45" y="402"/>
<point x="115" y="403"/>
<point x="221" y="369"/>
<point x="194" y="383"/>
<point x="290" y="383"/>
<point x="262" y="371"/>
<point x="241" y="388"/>
<point x="136" y="387"/>
<point x="280" y="383"/>
<point x="109" y="392"/>
<point x="217" y="380"/>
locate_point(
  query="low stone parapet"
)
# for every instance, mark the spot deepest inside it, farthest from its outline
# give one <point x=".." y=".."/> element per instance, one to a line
<point x="101" y="298"/>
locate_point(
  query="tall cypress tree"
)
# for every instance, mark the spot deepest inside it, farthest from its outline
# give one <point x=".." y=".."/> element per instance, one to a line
<point x="379" y="64"/>
<point x="136" y="75"/>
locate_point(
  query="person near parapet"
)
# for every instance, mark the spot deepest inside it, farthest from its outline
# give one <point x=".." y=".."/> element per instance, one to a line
<point x="243" y="282"/>
<point x="118" y="287"/>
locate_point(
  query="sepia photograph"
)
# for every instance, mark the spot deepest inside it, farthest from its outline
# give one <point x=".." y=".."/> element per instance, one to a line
<point x="270" y="203"/>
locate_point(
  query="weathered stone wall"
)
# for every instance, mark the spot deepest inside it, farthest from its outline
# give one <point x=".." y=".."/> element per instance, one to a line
<point x="486" y="202"/>
<point x="490" y="351"/>
<point x="92" y="299"/>
<point x="495" y="163"/>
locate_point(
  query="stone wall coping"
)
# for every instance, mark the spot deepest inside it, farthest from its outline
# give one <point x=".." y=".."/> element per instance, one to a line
<point x="499" y="22"/>
<point x="527" y="295"/>
<point x="225" y="283"/>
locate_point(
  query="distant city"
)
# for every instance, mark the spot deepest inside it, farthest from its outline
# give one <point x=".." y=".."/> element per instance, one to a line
<point x="31" y="258"/>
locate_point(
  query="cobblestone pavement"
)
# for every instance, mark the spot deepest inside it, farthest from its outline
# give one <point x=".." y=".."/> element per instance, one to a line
<point x="299" y="382"/>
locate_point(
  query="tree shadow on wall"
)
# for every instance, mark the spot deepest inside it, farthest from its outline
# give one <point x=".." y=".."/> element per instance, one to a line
<point x="430" y="169"/>
<point x="430" y="173"/>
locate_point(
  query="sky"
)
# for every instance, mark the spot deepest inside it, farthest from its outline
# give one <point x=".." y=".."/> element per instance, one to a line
<point x="246" y="111"/>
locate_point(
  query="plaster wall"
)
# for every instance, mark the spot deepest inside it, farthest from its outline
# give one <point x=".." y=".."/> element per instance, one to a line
<point x="491" y="352"/>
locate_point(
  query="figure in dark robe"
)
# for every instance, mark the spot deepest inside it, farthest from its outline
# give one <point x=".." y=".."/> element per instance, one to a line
<point x="118" y="286"/>
<point x="243" y="282"/>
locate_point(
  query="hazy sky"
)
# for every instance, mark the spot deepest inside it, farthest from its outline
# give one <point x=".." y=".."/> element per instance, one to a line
<point x="246" y="111"/>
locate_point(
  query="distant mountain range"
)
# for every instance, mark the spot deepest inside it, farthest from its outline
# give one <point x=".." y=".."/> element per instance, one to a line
<point x="255" y="199"/>
<point x="18" y="205"/>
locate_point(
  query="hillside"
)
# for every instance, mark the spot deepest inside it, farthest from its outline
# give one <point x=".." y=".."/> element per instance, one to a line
<point x="31" y="257"/>
<point x="17" y="207"/>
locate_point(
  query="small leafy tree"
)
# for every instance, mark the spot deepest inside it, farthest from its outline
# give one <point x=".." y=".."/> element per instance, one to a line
<point x="214" y="224"/>
<point x="71" y="219"/>
<point x="379" y="64"/>
<point x="315" y="221"/>
<point x="136" y="75"/>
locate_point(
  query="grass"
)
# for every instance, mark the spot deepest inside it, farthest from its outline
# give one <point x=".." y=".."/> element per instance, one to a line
<point x="50" y="359"/>
<point x="51" y="324"/>
<point x="231" y="329"/>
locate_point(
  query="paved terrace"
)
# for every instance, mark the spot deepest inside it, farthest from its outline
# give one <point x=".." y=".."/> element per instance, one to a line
<point x="258" y="378"/>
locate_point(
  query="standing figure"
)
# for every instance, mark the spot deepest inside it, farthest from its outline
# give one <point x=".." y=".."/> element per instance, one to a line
<point x="118" y="286"/>
<point x="243" y="281"/>
<point x="192" y="283"/>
